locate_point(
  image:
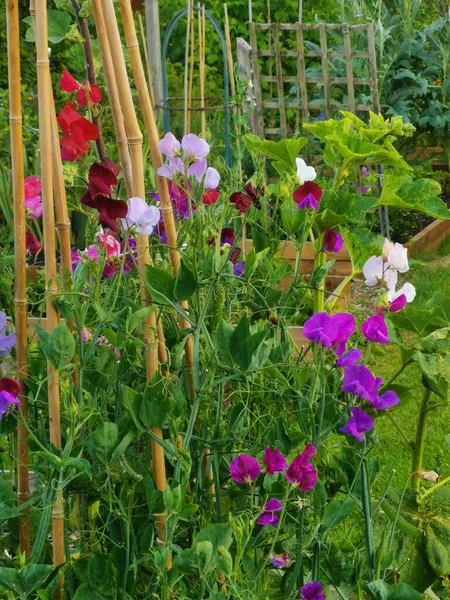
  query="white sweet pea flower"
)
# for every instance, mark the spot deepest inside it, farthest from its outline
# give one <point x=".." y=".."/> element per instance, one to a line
<point x="376" y="270"/>
<point x="141" y="216"/>
<point x="398" y="258"/>
<point x="304" y="172"/>
<point x="407" y="290"/>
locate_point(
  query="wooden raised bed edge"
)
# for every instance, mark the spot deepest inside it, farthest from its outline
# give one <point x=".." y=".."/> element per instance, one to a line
<point x="429" y="238"/>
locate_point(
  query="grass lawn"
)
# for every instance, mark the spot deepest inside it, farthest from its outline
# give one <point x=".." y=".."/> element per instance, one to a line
<point x="395" y="451"/>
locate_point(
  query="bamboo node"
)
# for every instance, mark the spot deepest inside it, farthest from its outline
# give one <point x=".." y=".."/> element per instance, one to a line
<point x="20" y="301"/>
<point x="63" y="226"/>
<point x="134" y="141"/>
<point x="132" y="46"/>
<point x="11" y="118"/>
<point x="43" y="63"/>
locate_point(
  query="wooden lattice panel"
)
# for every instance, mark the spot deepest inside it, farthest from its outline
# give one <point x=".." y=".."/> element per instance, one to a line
<point x="302" y="70"/>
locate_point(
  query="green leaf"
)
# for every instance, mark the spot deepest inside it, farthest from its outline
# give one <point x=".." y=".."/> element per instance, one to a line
<point x="291" y="217"/>
<point x="185" y="283"/>
<point x="361" y="245"/>
<point x="60" y="346"/>
<point x="10" y="580"/>
<point x="421" y="195"/>
<point x="122" y="318"/>
<point x="85" y="592"/>
<point x="402" y="591"/>
<point x="223" y="340"/>
<point x="379" y="590"/>
<point x="204" y="555"/>
<point x="99" y="575"/>
<point x="240" y="334"/>
<point x="283" y="153"/>
<point x="220" y="537"/>
<point x="336" y="512"/>
<point x="138" y="317"/>
<point x="319" y="274"/>
<point x="161" y="284"/>
<point x="43" y="338"/>
<point x="102" y="441"/>
<point x="253" y="260"/>
<point x="244" y="353"/>
<point x="155" y="402"/>
<point x="58" y="26"/>
<point x="34" y="576"/>
<point x="341" y="207"/>
<point x="437" y="552"/>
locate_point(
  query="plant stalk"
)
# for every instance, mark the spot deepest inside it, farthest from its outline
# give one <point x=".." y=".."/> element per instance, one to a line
<point x="420" y="441"/>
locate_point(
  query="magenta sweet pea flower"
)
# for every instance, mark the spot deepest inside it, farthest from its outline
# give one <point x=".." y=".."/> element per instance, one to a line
<point x="312" y="591"/>
<point x="268" y="516"/>
<point x="274" y="461"/>
<point x="301" y="473"/>
<point x="308" y="195"/>
<point x="360" y="381"/>
<point x="332" y="241"/>
<point x="92" y="253"/>
<point x="349" y="358"/>
<point x="365" y="173"/>
<point x="244" y="469"/>
<point x="329" y="330"/>
<point x="7" y="342"/>
<point x="398" y="304"/>
<point x="279" y="561"/>
<point x="358" y="423"/>
<point x="374" y="329"/>
<point x="9" y="390"/>
<point x="33" y="207"/>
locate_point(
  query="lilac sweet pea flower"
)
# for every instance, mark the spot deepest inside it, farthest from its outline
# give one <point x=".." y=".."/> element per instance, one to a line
<point x="301" y="473"/>
<point x="365" y="173"/>
<point x="9" y="390"/>
<point x="349" y="358"/>
<point x="7" y="342"/>
<point x="174" y="166"/>
<point x="207" y="176"/>
<point x="358" y="423"/>
<point x="268" y="516"/>
<point x="141" y="216"/>
<point x="358" y="380"/>
<point x="244" y="469"/>
<point x="169" y="145"/>
<point x="329" y="330"/>
<point x="312" y="591"/>
<point x="374" y="329"/>
<point x="274" y="461"/>
<point x="194" y="147"/>
<point x="279" y="561"/>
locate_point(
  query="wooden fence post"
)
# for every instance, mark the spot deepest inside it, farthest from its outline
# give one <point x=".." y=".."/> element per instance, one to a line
<point x="154" y="48"/>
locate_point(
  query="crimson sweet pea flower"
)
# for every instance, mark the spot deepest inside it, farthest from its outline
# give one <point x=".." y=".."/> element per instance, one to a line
<point x="227" y="236"/>
<point x="274" y="461"/>
<point x="210" y="197"/>
<point x="308" y="195"/>
<point x="9" y="390"/>
<point x="86" y="92"/>
<point x="244" y="469"/>
<point x="77" y="132"/>
<point x="332" y="241"/>
<point x="242" y="201"/>
<point x="301" y="473"/>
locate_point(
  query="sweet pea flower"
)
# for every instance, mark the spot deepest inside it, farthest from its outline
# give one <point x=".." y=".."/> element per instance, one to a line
<point x="321" y="117"/>
<point x="86" y="92"/>
<point x="207" y="176"/>
<point x="7" y="342"/>
<point x="301" y="473"/>
<point x="365" y="173"/>
<point x="374" y="329"/>
<point x="304" y="172"/>
<point x="169" y="170"/>
<point x="227" y="236"/>
<point x="332" y="241"/>
<point x="141" y="216"/>
<point x="407" y="290"/>
<point x="32" y="244"/>
<point x="169" y="145"/>
<point x="32" y="186"/>
<point x="33" y="203"/>
<point x="385" y="401"/>
<point x="312" y="591"/>
<point x="92" y="253"/>
<point x="308" y="195"/>
<point x="364" y="190"/>
<point x="396" y="256"/>
<point x="239" y="268"/>
<point x="268" y="516"/>
<point x="9" y="390"/>
<point x="279" y="561"/>
<point x="329" y="330"/>
<point x="194" y="147"/>
<point x="77" y="131"/>
<point x="242" y="201"/>
<point x="274" y="461"/>
<point x="86" y="335"/>
<point x="244" y="469"/>
<point x="33" y="207"/>
<point x="349" y="358"/>
<point x="398" y="304"/>
<point x="358" y="380"/>
<point x="210" y="197"/>
<point x="376" y="270"/>
<point x="359" y="423"/>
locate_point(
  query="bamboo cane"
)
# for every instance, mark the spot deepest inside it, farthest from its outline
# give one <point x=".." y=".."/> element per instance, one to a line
<point x="201" y="52"/>
<point x="20" y="288"/>
<point x="191" y="70"/>
<point x="113" y="93"/>
<point x="153" y="138"/>
<point x="186" y="69"/>
<point x="138" y="188"/>
<point x="147" y="61"/>
<point x="45" y="137"/>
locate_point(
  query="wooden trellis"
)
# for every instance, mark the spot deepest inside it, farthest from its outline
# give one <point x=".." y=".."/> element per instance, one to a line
<point x="272" y="104"/>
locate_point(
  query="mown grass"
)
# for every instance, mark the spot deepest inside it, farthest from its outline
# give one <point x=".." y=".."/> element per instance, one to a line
<point x="430" y="272"/>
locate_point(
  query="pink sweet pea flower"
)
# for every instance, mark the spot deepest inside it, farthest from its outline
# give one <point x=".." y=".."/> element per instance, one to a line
<point x="33" y="186"/>
<point x="301" y="473"/>
<point x="244" y="469"/>
<point x="34" y="207"/>
<point x="92" y="253"/>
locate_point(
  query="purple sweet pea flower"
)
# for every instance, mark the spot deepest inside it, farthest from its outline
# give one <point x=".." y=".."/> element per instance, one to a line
<point x="7" y="342"/>
<point x="268" y="518"/>
<point x="301" y="473"/>
<point x="312" y="591"/>
<point x="358" y="423"/>
<point x="273" y="505"/>
<point x="398" y="304"/>
<point x="364" y="190"/>
<point x="244" y="469"/>
<point x="374" y="329"/>
<point x="360" y="381"/>
<point x="365" y="172"/>
<point x="349" y="358"/>
<point x="332" y="241"/>
<point x="279" y="561"/>
<point x="239" y="268"/>
<point x="385" y="401"/>
<point x="9" y="390"/>
<point x="329" y="330"/>
<point x="274" y="461"/>
<point x="321" y="117"/>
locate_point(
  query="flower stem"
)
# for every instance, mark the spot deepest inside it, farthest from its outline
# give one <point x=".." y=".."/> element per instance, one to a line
<point x="297" y="575"/>
<point x="368" y="530"/>
<point x="433" y="489"/>
<point x="319" y="293"/>
<point x="397" y="373"/>
<point x="420" y="441"/>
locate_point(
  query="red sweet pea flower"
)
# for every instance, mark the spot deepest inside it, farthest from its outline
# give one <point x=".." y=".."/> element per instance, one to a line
<point x="242" y="201"/>
<point x="101" y="177"/>
<point x="210" y="197"/>
<point x="86" y="92"/>
<point x="77" y="132"/>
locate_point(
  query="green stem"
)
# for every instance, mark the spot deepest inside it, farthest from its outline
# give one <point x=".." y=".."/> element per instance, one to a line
<point x="319" y="293"/>
<point x="368" y="531"/>
<point x="433" y="489"/>
<point x="297" y="575"/>
<point x="420" y="441"/>
<point x="397" y="373"/>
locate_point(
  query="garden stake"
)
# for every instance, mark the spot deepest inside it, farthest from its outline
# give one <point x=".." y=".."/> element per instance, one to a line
<point x="20" y="287"/>
<point x="138" y="188"/>
<point x="163" y="191"/>
<point x="45" y="135"/>
<point x="191" y="70"/>
<point x="113" y="93"/>
<point x="202" y="73"/>
<point x="147" y="62"/>
<point x="186" y="69"/>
